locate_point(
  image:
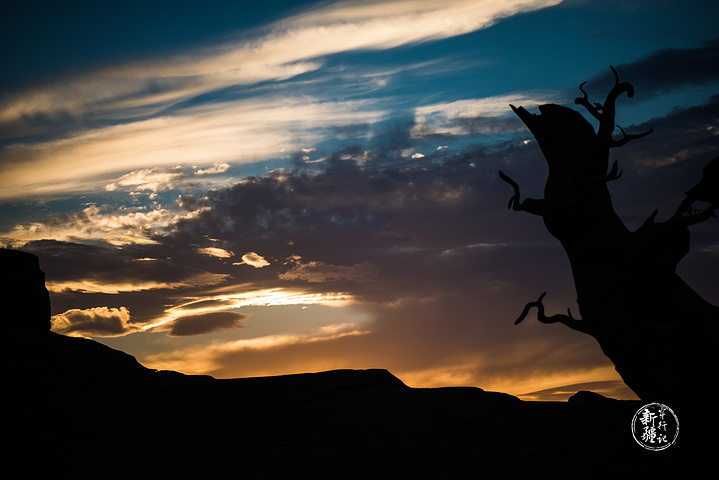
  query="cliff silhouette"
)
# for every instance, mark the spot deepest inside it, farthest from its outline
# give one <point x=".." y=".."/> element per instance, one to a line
<point x="74" y="406"/>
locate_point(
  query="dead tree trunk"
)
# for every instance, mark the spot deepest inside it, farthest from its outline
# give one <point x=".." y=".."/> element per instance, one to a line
<point x="661" y="336"/>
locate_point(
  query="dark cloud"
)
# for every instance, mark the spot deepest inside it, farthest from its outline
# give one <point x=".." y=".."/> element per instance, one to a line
<point x="349" y="219"/>
<point x="64" y="261"/>
<point x="658" y="169"/>
<point x="666" y="70"/>
<point x="485" y="125"/>
<point x="84" y="276"/>
<point x="206" y="323"/>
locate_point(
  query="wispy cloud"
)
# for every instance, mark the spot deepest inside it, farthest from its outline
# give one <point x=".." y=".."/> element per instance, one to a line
<point x="135" y="97"/>
<point x="318" y="272"/>
<point x="286" y="49"/>
<point x="159" y="179"/>
<point x="479" y="115"/>
<point x="232" y="132"/>
<point x="92" y="285"/>
<point x="114" y="225"/>
<point x="215" y="252"/>
<point x="208" y="303"/>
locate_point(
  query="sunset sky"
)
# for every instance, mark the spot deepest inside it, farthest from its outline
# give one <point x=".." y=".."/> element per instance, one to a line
<point x="256" y="188"/>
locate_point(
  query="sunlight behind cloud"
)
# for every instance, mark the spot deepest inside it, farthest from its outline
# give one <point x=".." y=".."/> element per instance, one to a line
<point x="227" y="298"/>
<point x="263" y="297"/>
<point x="206" y="358"/>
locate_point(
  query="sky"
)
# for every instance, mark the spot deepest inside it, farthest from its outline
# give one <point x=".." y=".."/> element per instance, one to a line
<point x="241" y="189"/>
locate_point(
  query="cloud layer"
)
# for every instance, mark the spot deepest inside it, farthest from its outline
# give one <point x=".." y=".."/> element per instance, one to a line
<point x="152" y="122"/>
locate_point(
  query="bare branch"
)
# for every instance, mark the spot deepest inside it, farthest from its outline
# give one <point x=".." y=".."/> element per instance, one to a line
<point x="605" y="113"/>
<point x="650" y="220"/>
<point x="530" y="205"/>
<point x="595" y="109"/>
<point x="529" y="306"/>
<point x="627" y="138"/>
<point x="567" y="320"/>
<point x="613" y="174"/>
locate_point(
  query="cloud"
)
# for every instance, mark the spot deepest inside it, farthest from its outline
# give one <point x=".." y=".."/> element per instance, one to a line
<point x="91" y="285"/>
<point x="230" y="132"/>
<point x="286" y="49"/>
<point x="94" y="322"/>
<point x="253" y="259"/>
<point x="160" y="179"/>
<point x="668" y="69"/>
<point x="243" y="295"/>
<point x="215" y="252"/>
<point x="217" y="169"/>
<point x="128" y="92"/>
<point x="119" y="118"/>
<point x="473" y="116"/>
<point x="205" y="323"/>
<point x="115" y="225"/>
<point x="318" y="272"/>
<point x="386" y="24"/>
<point x="95" y="269"/>
<point x="419" y="248"/>
<point x="669" y="161"/>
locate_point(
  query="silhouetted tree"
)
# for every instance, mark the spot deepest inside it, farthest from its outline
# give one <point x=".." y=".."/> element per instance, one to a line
<point x="660" y="334"/>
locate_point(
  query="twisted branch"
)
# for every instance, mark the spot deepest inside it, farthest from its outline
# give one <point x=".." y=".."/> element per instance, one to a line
<point x="613" y="174"/>
<point x="606" y="112"/>
<point x="594" y="109"/>
<point x="530" y="205"/>
<point x="627" y="138"/>
<point x="567" y="320"/>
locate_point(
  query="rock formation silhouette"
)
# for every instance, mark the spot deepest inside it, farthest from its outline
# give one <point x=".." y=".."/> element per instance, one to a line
<point x="23" y="294"/>
<point x="78" y="408"/>
<point x="661" y="335"/>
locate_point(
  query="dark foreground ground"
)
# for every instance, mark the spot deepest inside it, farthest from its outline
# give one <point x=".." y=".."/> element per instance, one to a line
<point x="75" y="407"/>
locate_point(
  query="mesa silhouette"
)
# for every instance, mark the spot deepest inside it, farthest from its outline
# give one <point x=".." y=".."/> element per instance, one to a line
<point x="76" y="406"/>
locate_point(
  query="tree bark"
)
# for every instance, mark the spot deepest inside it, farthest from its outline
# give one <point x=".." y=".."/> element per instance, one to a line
<point x="661" y="336"/>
